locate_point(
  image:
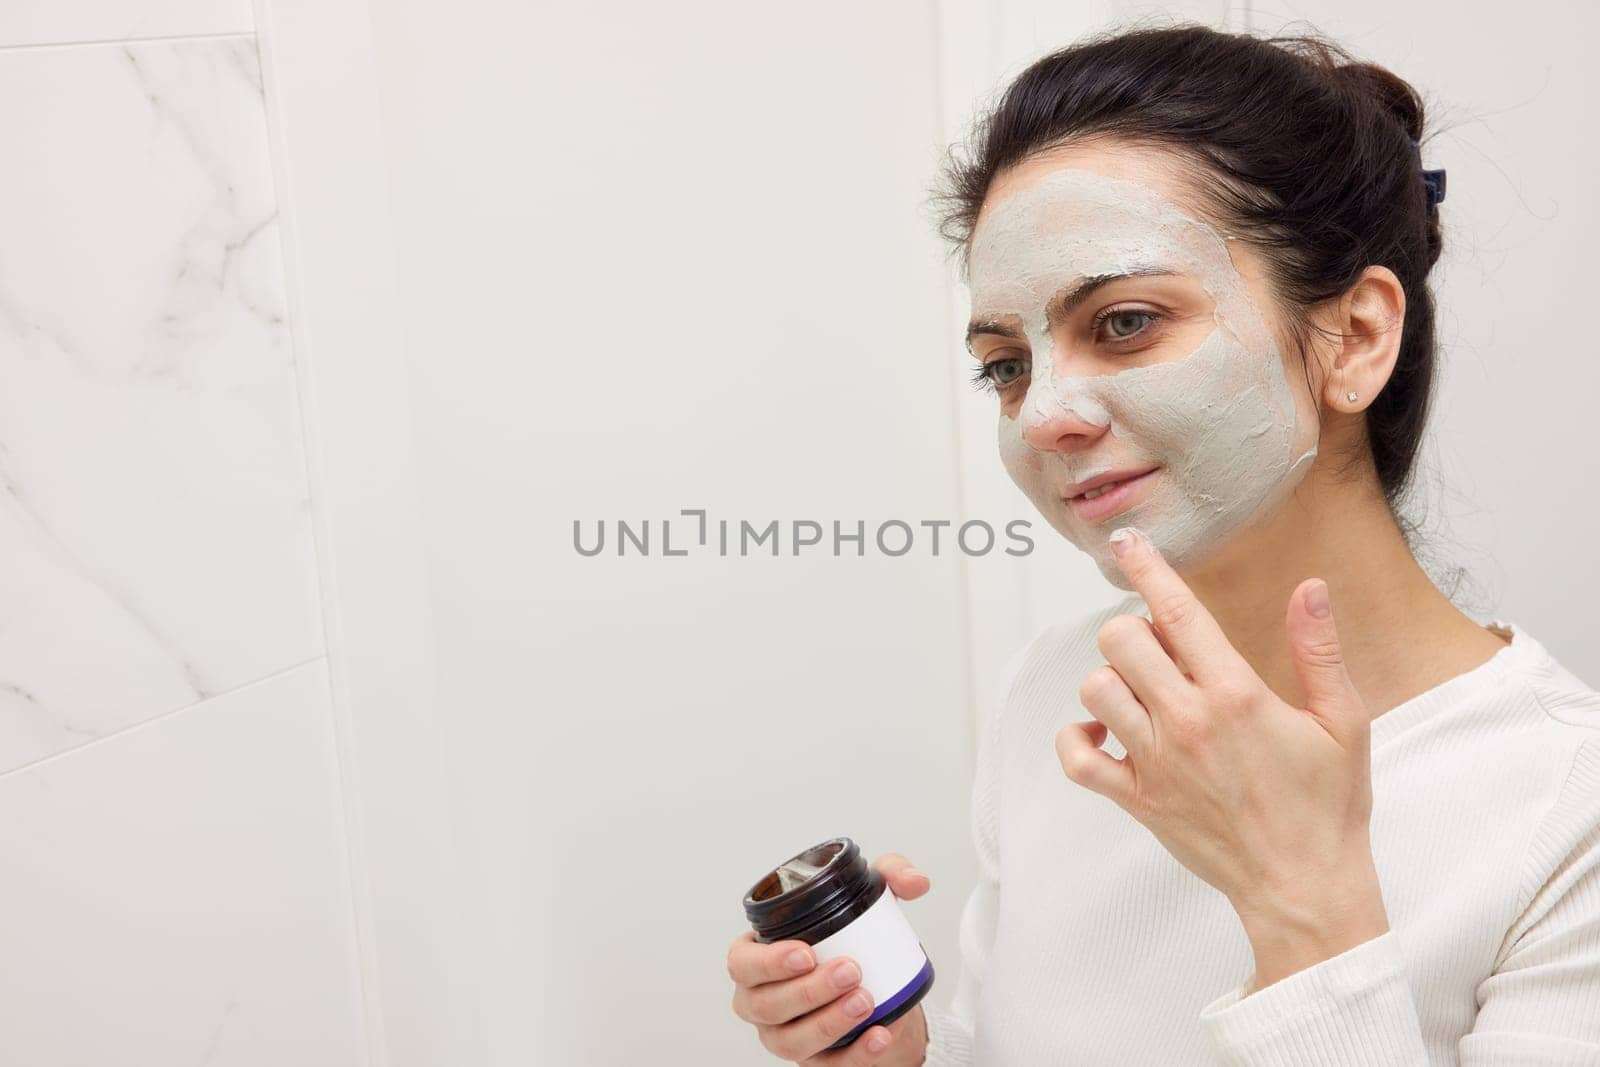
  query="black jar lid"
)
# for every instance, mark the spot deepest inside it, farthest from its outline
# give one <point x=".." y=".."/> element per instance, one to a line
<point x="810" y="890"/>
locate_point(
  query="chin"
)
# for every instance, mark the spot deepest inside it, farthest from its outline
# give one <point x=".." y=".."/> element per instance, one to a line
<point x="1182" y="558"/>
<point x="1113" y="573"/>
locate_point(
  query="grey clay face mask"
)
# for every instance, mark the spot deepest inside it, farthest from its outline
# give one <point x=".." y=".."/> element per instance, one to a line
<point x="1221" y="421"/>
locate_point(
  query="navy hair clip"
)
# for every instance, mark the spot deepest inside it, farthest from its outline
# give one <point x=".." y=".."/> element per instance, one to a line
<point x="1432" y="179"/>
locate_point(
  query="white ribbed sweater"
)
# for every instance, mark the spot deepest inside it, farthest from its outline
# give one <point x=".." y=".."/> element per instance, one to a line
<point x="1085" y="942"/>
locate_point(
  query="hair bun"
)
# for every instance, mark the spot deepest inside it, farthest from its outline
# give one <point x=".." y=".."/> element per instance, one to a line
<point x="1393" y="94"/>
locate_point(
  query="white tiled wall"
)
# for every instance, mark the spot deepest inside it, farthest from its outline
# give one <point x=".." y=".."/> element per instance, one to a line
<point x="175" y="883"/>
<point x="176" y="894"/>
<point x="77" y="21"/>
<point x="156" y="512"/>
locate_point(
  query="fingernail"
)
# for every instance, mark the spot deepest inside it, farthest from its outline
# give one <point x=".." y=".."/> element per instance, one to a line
<point x="1123" y="538"/>
<point x="798" y="961"/>
<point x="1317" y="600"/>
<point x="846" y="975"/>
<point x="857" y="1005"/>
<point x="877" y="1043"/>
<point x="912" y="872"/>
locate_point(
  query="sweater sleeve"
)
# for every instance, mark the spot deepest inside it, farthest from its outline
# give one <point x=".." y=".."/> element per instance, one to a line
<point x="1540" y="1006"/>
<point x="1353" y="1008"/>
<point x="950" y="1030"/>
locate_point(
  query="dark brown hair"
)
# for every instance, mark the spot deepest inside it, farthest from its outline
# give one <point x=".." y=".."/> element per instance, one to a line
<point x="1302" y="151"/>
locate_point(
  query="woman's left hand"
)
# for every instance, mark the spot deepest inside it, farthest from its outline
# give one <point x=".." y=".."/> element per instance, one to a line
<point x="1266" y="801"/>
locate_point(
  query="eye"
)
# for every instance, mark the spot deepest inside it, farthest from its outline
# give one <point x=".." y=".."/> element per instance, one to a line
<point x="999" y="373"/>
<point x="1124" y="323"/>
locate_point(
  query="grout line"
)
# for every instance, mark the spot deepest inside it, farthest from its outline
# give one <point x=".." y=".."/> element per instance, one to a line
<point x="356" y="860"/>
<point x="965" y="575"/>
<point x="46" y="45"/>
<point x="141" y="724"/>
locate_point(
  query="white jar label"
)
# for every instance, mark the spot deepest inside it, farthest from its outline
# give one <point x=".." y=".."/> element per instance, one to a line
<point x="885" y="947"/>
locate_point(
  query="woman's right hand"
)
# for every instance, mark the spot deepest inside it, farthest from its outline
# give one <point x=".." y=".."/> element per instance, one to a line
<point x="799" y="1009"/>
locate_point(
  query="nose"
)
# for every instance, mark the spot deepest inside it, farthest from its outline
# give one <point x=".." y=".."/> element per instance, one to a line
<point x="1068" y="420"/>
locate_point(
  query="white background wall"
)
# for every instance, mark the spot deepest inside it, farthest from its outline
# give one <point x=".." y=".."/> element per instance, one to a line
<point x="321" y="733"/>
<point x="673" y="262"/>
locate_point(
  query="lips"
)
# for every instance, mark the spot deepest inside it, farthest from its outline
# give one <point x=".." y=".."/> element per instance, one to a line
<point x="1101" y="497"/>
<point x="1104" y="481"/>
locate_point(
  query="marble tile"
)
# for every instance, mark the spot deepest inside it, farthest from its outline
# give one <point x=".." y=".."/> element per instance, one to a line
<point x="62" y="21"/>
<point x="178" y="894"/>
<point x="154" y="508"/>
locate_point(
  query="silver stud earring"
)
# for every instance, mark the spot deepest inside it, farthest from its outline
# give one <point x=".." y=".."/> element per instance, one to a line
<point x="1351" y="396"/>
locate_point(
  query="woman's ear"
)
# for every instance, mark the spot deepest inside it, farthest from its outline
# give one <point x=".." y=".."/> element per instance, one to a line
<point x="1369" y="316"/>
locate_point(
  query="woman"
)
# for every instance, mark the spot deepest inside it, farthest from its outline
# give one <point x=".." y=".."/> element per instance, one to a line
<point x="1316" y="814"/>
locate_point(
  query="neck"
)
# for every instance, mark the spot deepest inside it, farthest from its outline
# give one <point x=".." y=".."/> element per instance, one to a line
<point x="1400" y="635"/>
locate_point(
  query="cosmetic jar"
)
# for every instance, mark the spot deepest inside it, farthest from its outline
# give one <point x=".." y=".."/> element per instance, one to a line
<point x="830" y="898"/>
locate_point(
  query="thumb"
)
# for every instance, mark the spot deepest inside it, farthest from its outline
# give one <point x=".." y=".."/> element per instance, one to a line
<point x="905" y="881"/>
<point x="1318" y="656"/>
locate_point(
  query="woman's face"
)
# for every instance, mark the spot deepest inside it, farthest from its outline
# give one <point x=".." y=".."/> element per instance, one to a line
<point x="1125" y="343"/>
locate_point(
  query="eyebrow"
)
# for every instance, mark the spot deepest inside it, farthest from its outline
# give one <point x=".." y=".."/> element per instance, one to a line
<point x="1062" y="304"/>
